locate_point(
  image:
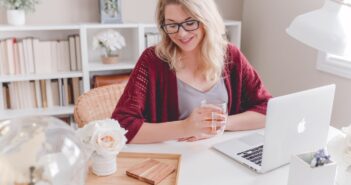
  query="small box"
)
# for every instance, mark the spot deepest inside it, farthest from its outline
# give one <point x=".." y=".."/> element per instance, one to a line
<point x="301" y="172"/>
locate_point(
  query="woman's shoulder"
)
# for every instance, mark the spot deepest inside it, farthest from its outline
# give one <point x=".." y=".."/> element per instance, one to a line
<point x="234" y="55"/>
<point x="149" y="53"/>
<point x="233" y="50"/>
<point x="149" y="61"/>
<point x="149" y="56"/>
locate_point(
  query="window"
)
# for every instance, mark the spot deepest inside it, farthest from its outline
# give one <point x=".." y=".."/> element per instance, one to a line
<point x="334" y="64"/>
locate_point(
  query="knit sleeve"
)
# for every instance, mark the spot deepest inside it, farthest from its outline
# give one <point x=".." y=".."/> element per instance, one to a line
<point x="130" y="108"/>
<point x="254" y="95"/>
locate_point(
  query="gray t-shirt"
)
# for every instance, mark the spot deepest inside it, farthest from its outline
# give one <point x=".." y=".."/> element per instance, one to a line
<point x="190" y="98"/>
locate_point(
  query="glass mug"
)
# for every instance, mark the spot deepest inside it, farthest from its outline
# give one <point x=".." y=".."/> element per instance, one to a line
<point x="217" y="116"/>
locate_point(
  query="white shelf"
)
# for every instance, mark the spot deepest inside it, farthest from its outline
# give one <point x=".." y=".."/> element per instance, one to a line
<point x="14" y="78"/>
<point x="104" y="26"/>
<point x="134" y="34"/>
<point x="232" y="23"/>
<point x="122" y="65"/>
<point x="54" y="111"/>
<point x="149" y="25"/>
<point x="39" y="27"/>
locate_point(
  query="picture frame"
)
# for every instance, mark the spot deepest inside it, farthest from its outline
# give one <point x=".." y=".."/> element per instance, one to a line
<point x="110" y="11"/>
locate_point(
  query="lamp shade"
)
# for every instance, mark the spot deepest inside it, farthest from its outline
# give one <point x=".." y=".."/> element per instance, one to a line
<point x="327" y="29"/>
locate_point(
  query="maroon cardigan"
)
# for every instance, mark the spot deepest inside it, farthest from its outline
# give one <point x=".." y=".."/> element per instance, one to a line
<point x="151" y="93"/>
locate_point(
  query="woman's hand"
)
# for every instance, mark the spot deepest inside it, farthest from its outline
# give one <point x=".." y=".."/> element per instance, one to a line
<point x="194" y="138"/>
<point x="199" y="125"/>
<point x="221" y="118"/>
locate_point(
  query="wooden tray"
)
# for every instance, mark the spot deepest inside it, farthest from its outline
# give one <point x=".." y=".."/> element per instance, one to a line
<point x="126" y="160"/>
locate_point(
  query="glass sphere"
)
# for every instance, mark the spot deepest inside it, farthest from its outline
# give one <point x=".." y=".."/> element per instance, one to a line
<point x="40" y="151"/>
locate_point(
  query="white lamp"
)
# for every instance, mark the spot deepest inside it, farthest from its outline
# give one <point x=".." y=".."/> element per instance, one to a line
<point x="327" y="29"/>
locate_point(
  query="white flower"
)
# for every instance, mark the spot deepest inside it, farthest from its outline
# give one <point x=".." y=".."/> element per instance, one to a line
<point x="109" y="40"/>
<point x="27" y="5"/>
<point x="105" y="137"/>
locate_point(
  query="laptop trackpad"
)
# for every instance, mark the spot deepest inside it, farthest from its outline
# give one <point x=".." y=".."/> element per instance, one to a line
<point x="252" y="139"/>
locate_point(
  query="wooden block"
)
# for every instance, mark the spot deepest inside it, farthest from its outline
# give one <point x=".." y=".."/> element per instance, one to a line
<point x="150" y="171"/>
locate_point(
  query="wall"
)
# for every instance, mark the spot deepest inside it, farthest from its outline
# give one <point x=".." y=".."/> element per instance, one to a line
<point x="81" y="11"/>
<point x="62" y="12"/>
<point x="285" y="64"/>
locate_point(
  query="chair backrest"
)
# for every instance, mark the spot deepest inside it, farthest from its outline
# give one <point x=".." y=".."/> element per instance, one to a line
<point x="98" y="103"/>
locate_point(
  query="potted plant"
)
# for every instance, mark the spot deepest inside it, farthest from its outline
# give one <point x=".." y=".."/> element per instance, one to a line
<point x="109" y="41"/>
<point x="103" y="140"/>
<point x="16" y="10"/>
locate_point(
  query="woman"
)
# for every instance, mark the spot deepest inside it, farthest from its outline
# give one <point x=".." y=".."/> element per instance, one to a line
<point x="193" y="62"/>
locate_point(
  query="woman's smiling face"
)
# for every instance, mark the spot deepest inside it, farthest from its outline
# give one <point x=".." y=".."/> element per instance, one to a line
<point x="187" y="41"/>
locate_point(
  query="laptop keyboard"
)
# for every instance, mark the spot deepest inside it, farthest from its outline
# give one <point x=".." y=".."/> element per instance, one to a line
<point x="254" y="155"/>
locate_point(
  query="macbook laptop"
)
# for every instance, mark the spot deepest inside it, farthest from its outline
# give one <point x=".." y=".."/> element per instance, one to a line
<point x="295" y="123"/>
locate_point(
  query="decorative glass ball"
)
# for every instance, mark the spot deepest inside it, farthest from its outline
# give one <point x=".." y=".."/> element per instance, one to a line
<point x="40" y="151"/>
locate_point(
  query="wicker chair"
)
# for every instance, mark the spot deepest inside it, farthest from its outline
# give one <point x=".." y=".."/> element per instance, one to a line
<point x="97" y="103"/>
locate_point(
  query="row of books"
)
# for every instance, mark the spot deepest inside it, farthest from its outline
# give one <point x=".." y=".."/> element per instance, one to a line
<point x="152" y="39"/>
<point x="42" y="93"/>
<point x="33" y="56"/>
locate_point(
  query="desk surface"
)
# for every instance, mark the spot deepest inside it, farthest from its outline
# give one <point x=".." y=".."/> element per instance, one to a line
<point x="203" y="165"/>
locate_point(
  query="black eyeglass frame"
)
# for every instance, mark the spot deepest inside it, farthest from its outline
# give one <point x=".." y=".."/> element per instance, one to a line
<point x="163" y="26"/>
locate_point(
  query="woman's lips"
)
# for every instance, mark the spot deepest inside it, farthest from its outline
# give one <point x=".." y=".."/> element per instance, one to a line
<point x="186" y="41"/>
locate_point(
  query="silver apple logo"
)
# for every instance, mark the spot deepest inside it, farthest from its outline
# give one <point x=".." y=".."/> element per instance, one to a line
<point x="301" y="127"/>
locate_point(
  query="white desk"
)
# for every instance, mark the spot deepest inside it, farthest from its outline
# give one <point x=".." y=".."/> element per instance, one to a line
<point x="202" y="165"/>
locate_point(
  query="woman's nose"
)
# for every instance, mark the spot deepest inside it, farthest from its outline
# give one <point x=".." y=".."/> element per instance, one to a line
<point x="182" y="31"/>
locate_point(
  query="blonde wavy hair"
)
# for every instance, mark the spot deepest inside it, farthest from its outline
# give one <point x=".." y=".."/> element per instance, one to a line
<point x="213" y="45"/>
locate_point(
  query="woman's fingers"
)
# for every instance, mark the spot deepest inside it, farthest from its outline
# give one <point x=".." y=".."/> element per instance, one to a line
<point x="215" y="120"/>
<point x="184" y="139"/>
<point x="213" y="108"/>
<point x="209" y="109"/>
<point x="205" y="120"/>
<point x="197" y="138"/>
<point x="213" y="125"/>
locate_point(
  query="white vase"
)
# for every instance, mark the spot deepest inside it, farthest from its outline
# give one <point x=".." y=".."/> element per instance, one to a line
<point x="16" y="17"/>
<point x="103" y="165"/>
<point x="113" y="59"/>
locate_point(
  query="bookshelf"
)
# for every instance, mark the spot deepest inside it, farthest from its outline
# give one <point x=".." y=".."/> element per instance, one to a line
<point x="136" y="36"/>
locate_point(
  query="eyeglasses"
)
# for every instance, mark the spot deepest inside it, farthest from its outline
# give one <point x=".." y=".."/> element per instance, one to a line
<point x="189" y="25"/>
